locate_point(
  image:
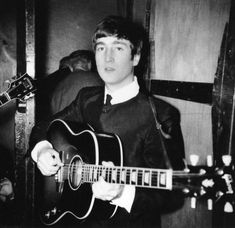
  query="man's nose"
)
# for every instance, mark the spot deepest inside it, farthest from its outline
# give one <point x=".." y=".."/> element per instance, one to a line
<point x="109" y="55"/>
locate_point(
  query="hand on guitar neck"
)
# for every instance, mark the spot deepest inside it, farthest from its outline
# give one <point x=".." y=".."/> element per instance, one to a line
<point x="105" y="191"/>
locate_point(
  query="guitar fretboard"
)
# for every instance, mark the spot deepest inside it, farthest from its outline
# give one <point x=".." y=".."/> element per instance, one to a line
<point x="139" y="177"/>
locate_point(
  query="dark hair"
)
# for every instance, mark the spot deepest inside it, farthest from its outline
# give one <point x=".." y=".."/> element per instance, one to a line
<point x="84" y="58"/>
<point x="121" y="28"/>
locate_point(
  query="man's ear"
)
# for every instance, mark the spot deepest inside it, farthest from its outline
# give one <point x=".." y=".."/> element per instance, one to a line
<point x="136" y="59"/>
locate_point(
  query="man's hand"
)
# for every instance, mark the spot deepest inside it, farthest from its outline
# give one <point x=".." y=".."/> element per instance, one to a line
<point x="48" y="161"/>
<point x="106" y="191"/>
<point x="6" y="189"/>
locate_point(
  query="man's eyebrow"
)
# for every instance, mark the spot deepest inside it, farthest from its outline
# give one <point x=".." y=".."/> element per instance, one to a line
<point x="114" y="42"/>
<point x="121" y="42"/>
<point x="99" y="42"/>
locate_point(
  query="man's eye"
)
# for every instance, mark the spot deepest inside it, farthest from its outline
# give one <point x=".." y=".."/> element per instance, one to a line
<point x="119" y="48"/>
<point x="99" y="48"/>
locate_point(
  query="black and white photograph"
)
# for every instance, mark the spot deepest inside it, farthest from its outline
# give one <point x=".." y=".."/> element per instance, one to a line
<point x="117" y="113"/>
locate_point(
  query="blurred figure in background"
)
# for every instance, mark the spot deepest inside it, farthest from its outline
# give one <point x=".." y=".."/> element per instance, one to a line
<point x="76" y="71"/>
<point x="83" y="74"/>
<point x="79" y="60"/>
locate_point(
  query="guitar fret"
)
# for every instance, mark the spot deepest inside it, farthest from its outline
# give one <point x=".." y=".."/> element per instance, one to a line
<point x="109" y="174"/>
<point x="139" y="177"/>
<point x="123" y="174"/>
<point x="90" y="174"/>
<point x="162" y="179"/>
<point x="118" y="176"/>
<point x="87" y="173"/>
<point x="84" y="173"/>
<point x="95" y="177"/>
<point x="114" y="175"/>
<point x="146" y="178"/>
<point x="103" y="172"/>
<point x="133" y="177"/>
<point x="154" y="179"/>
<point x="128" y="177"/>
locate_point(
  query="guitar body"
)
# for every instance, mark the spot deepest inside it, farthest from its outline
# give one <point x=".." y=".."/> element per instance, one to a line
<point x="66" y="192"/>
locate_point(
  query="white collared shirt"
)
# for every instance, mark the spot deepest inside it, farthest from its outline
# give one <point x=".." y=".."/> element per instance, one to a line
<point x="125" y="93"/>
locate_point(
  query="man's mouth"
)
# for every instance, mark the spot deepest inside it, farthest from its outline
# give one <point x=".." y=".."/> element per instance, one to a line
<point x="109" y="69"/>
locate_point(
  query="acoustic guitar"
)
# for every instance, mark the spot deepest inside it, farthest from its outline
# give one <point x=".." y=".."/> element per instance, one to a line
<point x="82" y="150"/>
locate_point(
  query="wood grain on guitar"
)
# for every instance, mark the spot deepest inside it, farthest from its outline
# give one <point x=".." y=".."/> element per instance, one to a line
<point x="83" y="150"/>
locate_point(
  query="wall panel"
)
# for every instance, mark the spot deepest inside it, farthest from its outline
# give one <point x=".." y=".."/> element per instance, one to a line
<point x="187" y="40"/>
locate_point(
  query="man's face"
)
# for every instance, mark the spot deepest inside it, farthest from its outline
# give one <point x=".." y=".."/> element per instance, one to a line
<point x="114" y="61"/>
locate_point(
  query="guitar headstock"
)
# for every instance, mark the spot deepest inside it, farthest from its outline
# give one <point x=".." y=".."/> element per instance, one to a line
<point x="19" y="88"/>
<point x="211" y="183"/>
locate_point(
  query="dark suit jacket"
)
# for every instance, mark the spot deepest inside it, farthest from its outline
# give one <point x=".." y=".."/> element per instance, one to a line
<point x="134" y="123"/>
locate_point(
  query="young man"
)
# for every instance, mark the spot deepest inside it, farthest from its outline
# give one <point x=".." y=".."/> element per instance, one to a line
<point x="117" y="44"/>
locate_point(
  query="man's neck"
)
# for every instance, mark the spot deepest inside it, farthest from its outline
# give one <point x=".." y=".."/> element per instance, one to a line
<point x="115" y="87"/>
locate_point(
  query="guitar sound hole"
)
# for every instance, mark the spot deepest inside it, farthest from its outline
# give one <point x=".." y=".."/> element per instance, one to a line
<point x="75" y="172"/>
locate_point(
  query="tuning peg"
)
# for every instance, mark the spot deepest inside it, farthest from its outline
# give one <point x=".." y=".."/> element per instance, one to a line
<point x="228" y="207"/>
<point x="219" y="194"/>
<point x="186" y="191"/>
<point x="208" y="183"/>
<point x="227" y="159"/>
<point x="210" y="204"/>
<point x="209" y="161"/>
<point x="194" y="159"/>
<point x="193" y="202"/>
<point x="7" y="83"/>
<point x="202" y="192"/>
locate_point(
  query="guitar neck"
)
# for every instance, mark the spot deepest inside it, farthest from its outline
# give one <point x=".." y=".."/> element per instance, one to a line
<point x="139" y="177"/>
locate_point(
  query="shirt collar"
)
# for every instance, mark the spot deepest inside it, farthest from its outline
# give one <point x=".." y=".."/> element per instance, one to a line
<point x="126" y="93"/>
